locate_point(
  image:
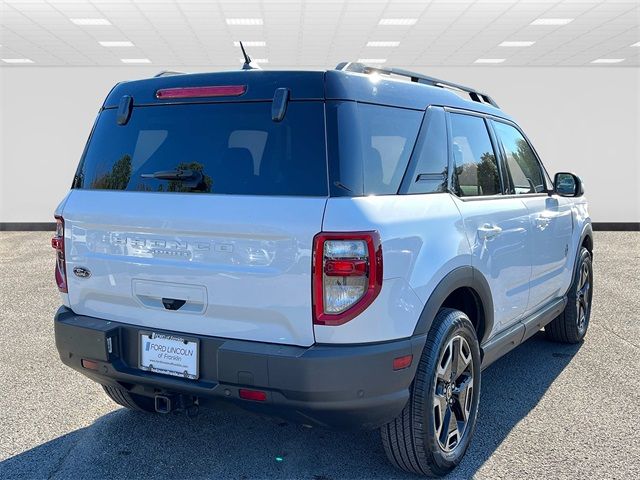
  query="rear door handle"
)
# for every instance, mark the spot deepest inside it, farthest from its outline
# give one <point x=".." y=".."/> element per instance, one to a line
<point x="488" y="231"/>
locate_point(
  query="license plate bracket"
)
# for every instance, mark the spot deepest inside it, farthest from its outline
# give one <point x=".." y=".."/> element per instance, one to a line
<point x="169" y="354"/>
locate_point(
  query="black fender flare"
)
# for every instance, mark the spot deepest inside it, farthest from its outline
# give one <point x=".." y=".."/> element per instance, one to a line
<point x="587" y="231"/>
<point x="465" y="276"/>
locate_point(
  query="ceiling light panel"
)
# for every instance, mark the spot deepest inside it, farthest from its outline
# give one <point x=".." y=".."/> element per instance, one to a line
<point x="552" y="21"/>
<point x="383" y="43"/>
<point x="259" y="43"/>
<point x="116" y="43"/>
<point x="90" y="21"/>
<point x="135" y="60"/>
<point x="372" y="60"/>
<point x="608" y="60"/>
<point x="17" y="60"/>
<point x="245" y="21"/>
<point x="490" y="60"/>
<point x="516" y="43"/>
<point x="398" y="21"/>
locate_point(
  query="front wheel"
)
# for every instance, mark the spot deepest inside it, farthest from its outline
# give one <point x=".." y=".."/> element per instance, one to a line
<point x="571" y="325"/>
<point x="432" y="433"/>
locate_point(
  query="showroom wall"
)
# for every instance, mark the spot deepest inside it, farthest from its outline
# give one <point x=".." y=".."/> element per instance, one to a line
<point x="582" y="119"/>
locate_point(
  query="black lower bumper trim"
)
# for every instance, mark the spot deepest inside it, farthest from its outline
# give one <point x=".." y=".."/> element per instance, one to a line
<point x="342" y="386"/>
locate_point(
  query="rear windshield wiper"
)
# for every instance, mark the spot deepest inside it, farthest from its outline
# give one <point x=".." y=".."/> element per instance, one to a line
<point x="171" y="175"/>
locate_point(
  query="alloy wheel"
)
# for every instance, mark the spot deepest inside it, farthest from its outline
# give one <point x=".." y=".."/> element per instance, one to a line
<point x="453" y="393"/>
<point x="583" y="297"/>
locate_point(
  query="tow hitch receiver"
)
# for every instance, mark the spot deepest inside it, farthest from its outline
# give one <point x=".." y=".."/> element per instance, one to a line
<point x="177" y="403"/>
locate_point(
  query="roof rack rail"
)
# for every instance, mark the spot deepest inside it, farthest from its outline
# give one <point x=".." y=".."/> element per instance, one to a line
<point x="418" y="78"/>
<point x="167" y="73"/>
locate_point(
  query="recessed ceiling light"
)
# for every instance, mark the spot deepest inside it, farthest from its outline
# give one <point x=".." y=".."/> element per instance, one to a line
<point x="608" y="60"/>
<point x="398" y="21"/>
<point x="251" y="44"/>
<point x="135" y="60"/>
<point x="372" y="60"/>
<point x="122" y="43"/>
<point x="90" y="21"/>
<point x="255" y="60"/>
<point x="516" y="43"/>
<point x="637" y="44"/>
<point x="490" y="60"/>
<point x="17" y="60"/>
<point x="382" y="44"/>
<point x="552" y="21"/>
<point x="244" y="21"/>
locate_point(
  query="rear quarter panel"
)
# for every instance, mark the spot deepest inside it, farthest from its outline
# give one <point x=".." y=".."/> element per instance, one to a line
<point x="422" y="240"/>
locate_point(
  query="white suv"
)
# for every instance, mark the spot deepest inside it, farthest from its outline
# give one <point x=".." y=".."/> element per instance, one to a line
<point x="347" y="248"/>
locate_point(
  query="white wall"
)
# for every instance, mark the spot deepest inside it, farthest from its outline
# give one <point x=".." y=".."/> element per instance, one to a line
<point x="585" y="120"/>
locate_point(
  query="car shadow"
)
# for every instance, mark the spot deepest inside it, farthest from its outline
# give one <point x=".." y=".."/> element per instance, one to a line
<point x="229" y="443"/>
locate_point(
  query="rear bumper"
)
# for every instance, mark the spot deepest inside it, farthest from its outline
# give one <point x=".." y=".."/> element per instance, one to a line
<point x="350" y="386"/>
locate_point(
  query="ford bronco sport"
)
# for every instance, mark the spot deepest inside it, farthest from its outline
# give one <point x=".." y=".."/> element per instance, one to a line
<point x="347" y="248"/>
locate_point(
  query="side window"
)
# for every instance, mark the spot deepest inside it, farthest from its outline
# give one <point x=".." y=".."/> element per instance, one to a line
<point x="525" y="173"/>
<point x="427" y="172"/>
<point x="475" y="166"/>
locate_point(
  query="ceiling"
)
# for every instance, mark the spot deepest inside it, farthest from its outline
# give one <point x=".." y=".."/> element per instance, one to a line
<point x="320" y="33"/>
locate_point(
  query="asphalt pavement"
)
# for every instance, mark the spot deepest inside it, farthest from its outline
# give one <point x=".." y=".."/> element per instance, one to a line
<point x="547" y="410"/>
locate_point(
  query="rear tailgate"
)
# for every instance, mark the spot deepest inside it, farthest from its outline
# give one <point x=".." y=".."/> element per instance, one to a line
<point x="241" y="263"/>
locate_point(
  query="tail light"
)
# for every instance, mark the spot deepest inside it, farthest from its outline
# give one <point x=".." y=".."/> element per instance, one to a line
<point x="347" y="275"/>
<point x="57" y="242"/>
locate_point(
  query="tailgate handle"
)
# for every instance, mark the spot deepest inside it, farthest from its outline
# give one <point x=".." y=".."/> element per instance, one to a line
<point x="173" y="303"/>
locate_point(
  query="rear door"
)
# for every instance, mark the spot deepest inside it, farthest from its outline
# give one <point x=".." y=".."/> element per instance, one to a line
<point x="497" y="226"/>
<point x="550" y="216"/>
<point x="200" y="218"/>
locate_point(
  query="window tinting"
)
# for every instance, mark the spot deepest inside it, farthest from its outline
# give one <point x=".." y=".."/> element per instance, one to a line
<point x="229" y="148"/>
<point x="369" y="147"/>
<point x="524" y="169"/>
<point x="475" y="166"/>
<point x="427" y="172"/>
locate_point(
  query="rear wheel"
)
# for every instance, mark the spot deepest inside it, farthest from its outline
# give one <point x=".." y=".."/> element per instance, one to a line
<point x="130" y="400"/>
<point x="571" y="325"/>
<point x="433" y="431"/>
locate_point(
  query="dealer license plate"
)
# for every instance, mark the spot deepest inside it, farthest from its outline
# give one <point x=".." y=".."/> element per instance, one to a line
<point x="169" y="355"/>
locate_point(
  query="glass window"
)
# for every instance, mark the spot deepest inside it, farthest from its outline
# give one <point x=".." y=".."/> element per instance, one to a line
<point x="228" y="148"/>
<point x="369" y="147"/>
<point x="428" y="171"/>
<point x="475" y="166"/>
<point x="523" y="166"/>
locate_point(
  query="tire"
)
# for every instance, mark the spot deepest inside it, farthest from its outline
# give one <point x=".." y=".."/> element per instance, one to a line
<point x="129" y="400"/>
<point x="414" y="440"/>
<point x="571" y="325"/>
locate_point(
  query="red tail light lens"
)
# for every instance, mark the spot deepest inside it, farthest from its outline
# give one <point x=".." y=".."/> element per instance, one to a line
<point x="57" y="242"/>
<point x="347" y="275"/>
<point x="197" y="92"/>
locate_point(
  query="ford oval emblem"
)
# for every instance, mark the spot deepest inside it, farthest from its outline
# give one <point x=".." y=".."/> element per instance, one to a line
<point x="82" y="272"/>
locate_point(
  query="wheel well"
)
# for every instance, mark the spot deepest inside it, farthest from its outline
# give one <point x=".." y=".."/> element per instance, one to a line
<point x="468" y="301"/>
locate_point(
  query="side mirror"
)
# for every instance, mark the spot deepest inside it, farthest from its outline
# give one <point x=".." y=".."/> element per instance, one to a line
<point x="567" y="185"/>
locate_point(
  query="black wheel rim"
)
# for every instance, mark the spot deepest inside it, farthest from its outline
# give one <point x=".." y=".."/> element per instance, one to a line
<point x="583" y="297"/>
<point x="453" y="393"/>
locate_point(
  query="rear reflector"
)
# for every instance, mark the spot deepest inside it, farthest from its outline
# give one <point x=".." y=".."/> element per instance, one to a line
<point x="197" y="92"/>
<point x="255" y="395"/>
<point x="90" y="364"/>
<point x="402" y="362"/>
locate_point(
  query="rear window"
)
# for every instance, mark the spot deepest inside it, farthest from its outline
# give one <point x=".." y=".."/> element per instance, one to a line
<point x="230" y="148"/>
<point x="369" y="147"/>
